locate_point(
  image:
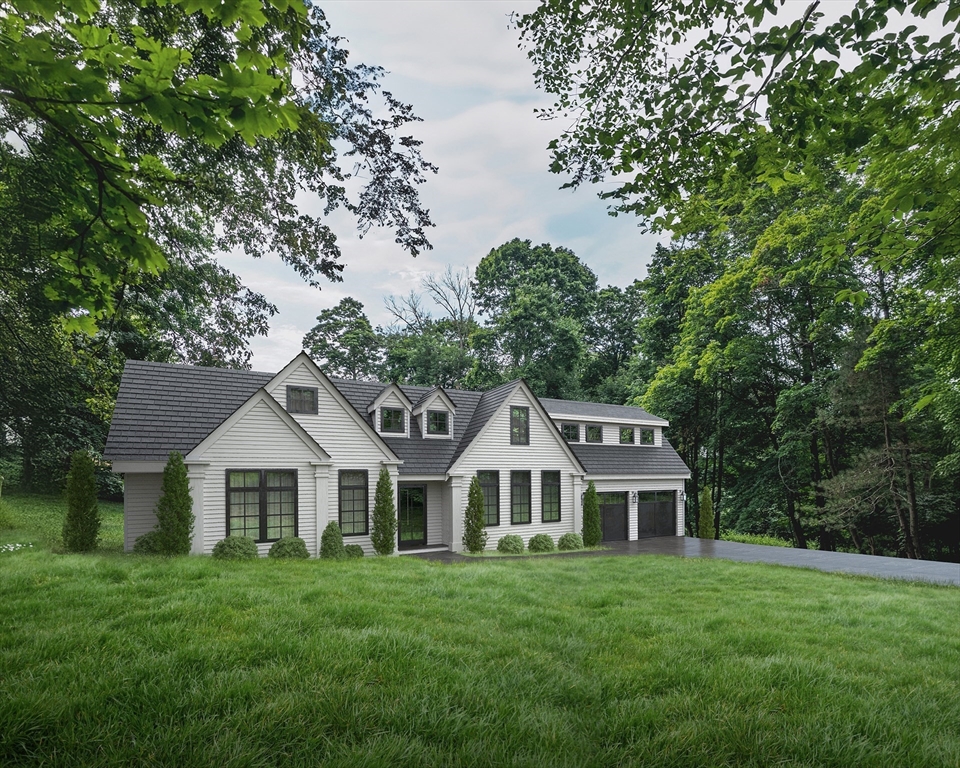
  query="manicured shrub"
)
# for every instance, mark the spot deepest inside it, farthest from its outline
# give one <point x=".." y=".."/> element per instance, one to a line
<point x="570" y="542"/>
<point x="511" y="544"/>
<point x="148" y="544"/>
<point x="353" y="551"/>
<point x="384" y="532"/>
<point x="705" y="528"/>
<point x="81" y="526"/>
<point x="235" y="548"/>
<point x="289" y="548"/>
<point x="175" y="508"/>
<point x="592" y="528"/>
<point x="331" y="542"/>
<point x="541" y="543"/>
<point x="474" y="531"/>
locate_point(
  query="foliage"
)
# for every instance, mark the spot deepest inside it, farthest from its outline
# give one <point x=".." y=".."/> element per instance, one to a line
<point x="592" y="527"/>
<point x="384" y="530"/>
<point x="81" y="525"/>
<point x="474" y="530"/>
<point x="570" y="542"/>
<point x="510" y="544"/>
<point x="290" y="547"/>
<point x="150" y="543"/>
<point x="705" y="529"/>
<point x="331" y="542"/>
<point x="753" y="538"/>
<point x="353" y="551"/>
<point x="541" y="542"/>
<point x="175" y="508"/>
<point x="343" y="342"/>
<point x="236" y="548"/>
<point x="38" y="518"/>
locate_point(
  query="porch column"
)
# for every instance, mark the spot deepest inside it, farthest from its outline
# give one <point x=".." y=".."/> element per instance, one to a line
<point x="321" y="475"/>
<point x="456" y="493"/>
<point x="577" y="503"/>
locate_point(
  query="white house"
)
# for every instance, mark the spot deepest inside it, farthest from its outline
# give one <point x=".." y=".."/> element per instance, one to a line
<point x="272" y="455"/>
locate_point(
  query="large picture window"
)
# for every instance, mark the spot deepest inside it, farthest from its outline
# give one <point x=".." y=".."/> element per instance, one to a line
<point x="262" y="503"/>
<point x="301" y="399"/>
<point x="490" y="486"/>
<point x="353" y="502"/>
<point x="391" y="420"/>
<point x="519" y="497"/>
<point x="550" y="496"/>
<point x="519" y="425"/>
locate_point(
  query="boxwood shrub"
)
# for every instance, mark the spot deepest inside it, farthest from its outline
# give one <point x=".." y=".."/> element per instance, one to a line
<point x="235" y="548"/>
<point x="353" y="550"/>
<point x="570" y="542"/>
<point x="510" y="544"/>
<point x="331" y="542"/>
<point x="290" y="548"/>
<point x="541" y="543"/>
<point x="148" y="544"/>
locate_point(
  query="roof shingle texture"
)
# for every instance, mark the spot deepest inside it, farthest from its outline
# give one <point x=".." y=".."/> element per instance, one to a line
<point x="598" y="410"/>
<point x="630" y="459"/>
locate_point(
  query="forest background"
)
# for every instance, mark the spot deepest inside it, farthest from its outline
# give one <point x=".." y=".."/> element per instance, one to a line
<point x="800" y="330"/>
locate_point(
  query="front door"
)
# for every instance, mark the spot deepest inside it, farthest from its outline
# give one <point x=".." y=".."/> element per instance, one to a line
<point x="411" y="516"/>
<point x="613" y="515"/>
<point x="657" y="514"/>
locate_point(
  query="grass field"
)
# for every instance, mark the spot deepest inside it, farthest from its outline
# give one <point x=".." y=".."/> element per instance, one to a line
<point x="120" y="660"/>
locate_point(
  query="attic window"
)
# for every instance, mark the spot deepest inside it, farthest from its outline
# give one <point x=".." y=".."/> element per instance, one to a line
<point x="646" y="437"/>
<point x="391" y="420"/>
<point x="438" y="423"/>
<point x="626" y="435"/>
<point x="519" y="425"/>
<point x="571" y="433"/>
<point x="301" y="399"/>
<point x="594" y="433"/>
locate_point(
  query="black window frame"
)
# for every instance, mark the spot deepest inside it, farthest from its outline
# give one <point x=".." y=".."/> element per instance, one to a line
<point x="648" y="431"/>
<point x="594" y="426"/>
<point x="446" y="422"/>
<point x="403" y="421"/>
<point x="633" y="435"/>
<point x="543" y="496"/>
<point x="291" y="389"/>
<point x="493" y="483"/>
<point x="563" y="432"/>
<point x="515" y="437"/>
<point x="262" y="490"/>
<point x="366" y="511"/>
<point x="516" y="489"/>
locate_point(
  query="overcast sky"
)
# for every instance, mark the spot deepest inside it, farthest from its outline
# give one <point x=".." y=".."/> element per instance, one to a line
<point x="457" y="63"/>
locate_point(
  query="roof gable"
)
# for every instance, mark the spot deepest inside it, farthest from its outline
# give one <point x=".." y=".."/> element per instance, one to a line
<point x="390" y="389"/>
<point x="430" y="398"/>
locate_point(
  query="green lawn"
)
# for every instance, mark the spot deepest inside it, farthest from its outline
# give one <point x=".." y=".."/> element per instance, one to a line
<point x="120" y="660"/>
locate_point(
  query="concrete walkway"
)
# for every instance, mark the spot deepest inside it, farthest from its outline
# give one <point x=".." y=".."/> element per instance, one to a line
<point x="864" y="565"/>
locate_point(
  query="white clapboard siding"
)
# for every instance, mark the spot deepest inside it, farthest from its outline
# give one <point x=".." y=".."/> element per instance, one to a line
<point x="259" y="440"/>
<point x="434" y="513"/>
<point x="630" y="484"/>
<point x="141" y="492"/>
<point x="492" y="451"/>
<point x="390" y="402"/>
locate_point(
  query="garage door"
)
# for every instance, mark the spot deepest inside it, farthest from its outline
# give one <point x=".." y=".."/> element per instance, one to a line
<point x="613" y="515"/>
<point x="657" y="513"/>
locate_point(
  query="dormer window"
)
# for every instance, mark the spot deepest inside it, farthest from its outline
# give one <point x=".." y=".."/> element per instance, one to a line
<point x="391" y="420"/>
<point x="646" y="437"/>
<point x="571" y="432"/>
<point x="301" y="399"/>
<point x="594" y="433"/>
<point x="626" y="435"/>
<point x="438" y="423"/>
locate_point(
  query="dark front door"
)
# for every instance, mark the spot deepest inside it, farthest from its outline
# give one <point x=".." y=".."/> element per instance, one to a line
<point x="411" y="516"/>
<point x="657" y="514"/>
<point x="613" y="515"/>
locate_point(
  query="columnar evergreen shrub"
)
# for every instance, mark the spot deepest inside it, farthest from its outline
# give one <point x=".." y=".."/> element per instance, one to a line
<point x="592" y="528"/>
<point x="384" y="532"/>
<point x="570" y="542"/>
<point x="175" y="508"/>
<point x="82" y="522"/>
<point x="474" y="531"/>
<point x="235" y="548"/>
<point x="541" y="543"/>
<point x="705" y="528"/>
<point x="289" y="548"/>
<point x="331" y="542"/>
<point x="353" y="551"/>
<point x="511" y="544"/>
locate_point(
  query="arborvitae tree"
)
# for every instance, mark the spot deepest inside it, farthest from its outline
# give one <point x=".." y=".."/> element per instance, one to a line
<point x="331" y="542"/>
<point x="592" y="528"/>
<point x="384" y="533"/>
<point x="82" y="523"/>
<point x="705" y="528"/>
<point x="474" y="532"/>
<point x="175" y="508"/>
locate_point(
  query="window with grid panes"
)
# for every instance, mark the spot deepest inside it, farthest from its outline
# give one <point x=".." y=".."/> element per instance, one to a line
<point x="626" y="435"/>
<point x="490" y="486"/>
<point x="353" y="502"/>
<point x="519" y="497"/>
<point x="437" y="423"/>
<point x="262" y="503"/>
<point x="301" y="399"/>
<point x="550" y="496"/>
<point x="594" y="433"/>
<point x="519" y="425"/>
<point x="571" y="433"/>
<point x="391" y="420"/>
<point x="646" y="437"/>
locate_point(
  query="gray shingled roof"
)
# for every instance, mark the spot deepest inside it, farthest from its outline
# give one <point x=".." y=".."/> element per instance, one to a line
<point x="489" y="403"/>
<point x="163" y="407"/>
<point x="630" y="459"/>
<point x="599" y="410"/>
